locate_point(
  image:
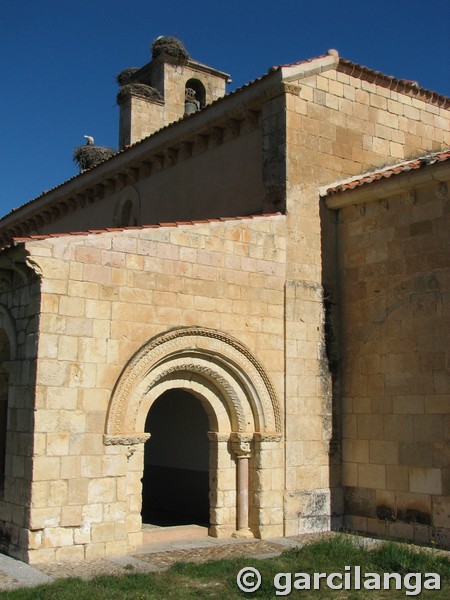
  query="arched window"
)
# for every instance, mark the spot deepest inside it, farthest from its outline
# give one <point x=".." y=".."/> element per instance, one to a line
<point x="127" y="218"/>
<point x="200" y="93"/>
<point x="127" y="212"/>
<point x="4" y="356"/>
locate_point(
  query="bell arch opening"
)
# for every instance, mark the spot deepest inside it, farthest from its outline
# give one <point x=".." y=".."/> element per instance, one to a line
<point x="175" y="482"/>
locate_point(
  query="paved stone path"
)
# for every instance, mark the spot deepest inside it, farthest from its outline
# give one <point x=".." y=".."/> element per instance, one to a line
<point x="151" y="558"/>
<point x="154" y="557"/>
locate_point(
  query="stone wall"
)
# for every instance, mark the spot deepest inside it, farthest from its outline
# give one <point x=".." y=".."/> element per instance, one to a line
<point x="337" y="126"/>
<point x="19" y="322"/>
<point x="216" y="178"/>
<point x="140" y="118"/>
<point x="394" y="276"/>
<point x="103" y="297"/>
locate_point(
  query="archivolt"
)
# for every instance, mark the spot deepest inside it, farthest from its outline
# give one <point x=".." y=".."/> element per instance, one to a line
<point x="223" y="363"/>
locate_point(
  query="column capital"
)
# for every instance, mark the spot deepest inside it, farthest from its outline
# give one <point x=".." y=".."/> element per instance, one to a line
<point x="242" y="444"/>
<point x="125" y="440"/>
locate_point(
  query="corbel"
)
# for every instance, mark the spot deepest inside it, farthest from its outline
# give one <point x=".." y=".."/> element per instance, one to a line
<point x="158" y="162"/>
<point x="201" y="141"/>
<point x="234" y="126"/>
<point x="251" y="117"/>
<point x="145" y="168"/>
<point x="172" y="156"/>
<point x="186" y="149"/>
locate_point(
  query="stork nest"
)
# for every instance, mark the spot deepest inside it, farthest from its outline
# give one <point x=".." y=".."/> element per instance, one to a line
<point x="138" y="89"/>
<point x="87" y="157"/>
<point x="125" y="76"/>
<point x="171" y="46"/>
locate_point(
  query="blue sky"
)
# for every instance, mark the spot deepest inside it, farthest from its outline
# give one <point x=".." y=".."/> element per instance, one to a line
<point x="59" y="61"/>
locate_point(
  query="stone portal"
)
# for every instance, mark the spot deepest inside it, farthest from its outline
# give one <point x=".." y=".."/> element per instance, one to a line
<point x="175" y="483"/>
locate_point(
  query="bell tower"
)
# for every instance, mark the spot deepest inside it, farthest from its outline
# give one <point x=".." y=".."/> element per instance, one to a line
<point x="164" y="90"/>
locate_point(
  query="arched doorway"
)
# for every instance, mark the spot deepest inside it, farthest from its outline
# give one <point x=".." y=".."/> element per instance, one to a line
<point x="244" y="422"/>
<point x="175" y="482"/>
<point x="4" y="376"/>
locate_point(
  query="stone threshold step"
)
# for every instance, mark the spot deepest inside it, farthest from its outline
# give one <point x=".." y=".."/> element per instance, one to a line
<point x="172" y="534"/>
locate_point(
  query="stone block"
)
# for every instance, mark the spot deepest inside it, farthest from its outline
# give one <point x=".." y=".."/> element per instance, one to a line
<point x="91" y="466"/>
<point x="70" y="553"/>
<point x="397" y="478"/>
<point x="46" y="468"/>
<point x="54" y="537"/>
<point x="372" y="476"/>
<point x="95" y="551"/>
<point x="102" y="490"/>
<point x="71" y="516"/>
<point x="57" y="444"/>
<point x="78" y="491"/>
<point x="92" y="513"/>
<point x="45" y="517"/>
<point x="425" y="481"/>
<point x="102" y="532"/>
<point x="383" y="452"/>
<point x="116" y="548"/>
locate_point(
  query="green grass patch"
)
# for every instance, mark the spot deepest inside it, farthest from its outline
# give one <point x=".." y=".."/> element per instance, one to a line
<point x="217" y="579"/>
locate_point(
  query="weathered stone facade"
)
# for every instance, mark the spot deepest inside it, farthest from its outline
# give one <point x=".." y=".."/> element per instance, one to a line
<point x="394" y="272"/>
<point x="243" y="256"/>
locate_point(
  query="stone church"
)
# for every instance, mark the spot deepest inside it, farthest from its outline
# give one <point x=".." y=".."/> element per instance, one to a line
<point x="240" y="319"/>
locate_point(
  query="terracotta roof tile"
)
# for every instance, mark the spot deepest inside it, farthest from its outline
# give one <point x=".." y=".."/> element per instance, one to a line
<point x="46" y="236"/>
<point x="351" y="68"/>
<point x="386" y="172"/>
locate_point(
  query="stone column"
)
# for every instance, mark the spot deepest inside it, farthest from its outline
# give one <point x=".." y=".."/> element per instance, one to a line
<point x="241" y="445"/>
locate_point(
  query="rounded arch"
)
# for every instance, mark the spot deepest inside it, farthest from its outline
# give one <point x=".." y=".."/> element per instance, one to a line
<point x="128" y="208"/>
<point x="8" y="326"/>
<point x="200" y="92"/>
<point x="221" y="371"/>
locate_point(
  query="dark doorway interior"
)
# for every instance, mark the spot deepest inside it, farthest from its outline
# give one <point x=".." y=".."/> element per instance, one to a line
<point x="175" y="485"/>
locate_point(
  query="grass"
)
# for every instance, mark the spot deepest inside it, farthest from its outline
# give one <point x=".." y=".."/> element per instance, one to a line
<point x="217" y="579"/>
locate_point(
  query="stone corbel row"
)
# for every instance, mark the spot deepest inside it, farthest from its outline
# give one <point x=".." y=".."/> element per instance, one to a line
<point x="164" y="158"/>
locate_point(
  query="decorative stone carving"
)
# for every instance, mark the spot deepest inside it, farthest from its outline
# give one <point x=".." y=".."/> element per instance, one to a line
<point x="211" y="374"/>
<point x="220" y="349"/>
<point x="242" y="445"/>
<point x="292" y="88"/>
<point x="125" y="440"/>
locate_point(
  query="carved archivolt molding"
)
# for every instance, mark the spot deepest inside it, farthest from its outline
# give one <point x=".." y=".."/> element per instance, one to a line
<point x="227" y="364"/>
<point x="189" y="367"/>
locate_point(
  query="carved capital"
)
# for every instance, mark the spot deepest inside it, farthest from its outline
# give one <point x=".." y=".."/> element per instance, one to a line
<point x="241" y="444"/>
<point x="291" y="88"/>
<point x="268" y="436"/>
<point x="125" y="440"/>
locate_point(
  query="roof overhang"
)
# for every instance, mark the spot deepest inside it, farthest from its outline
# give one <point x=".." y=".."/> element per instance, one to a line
<point x="380" y="189"/>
